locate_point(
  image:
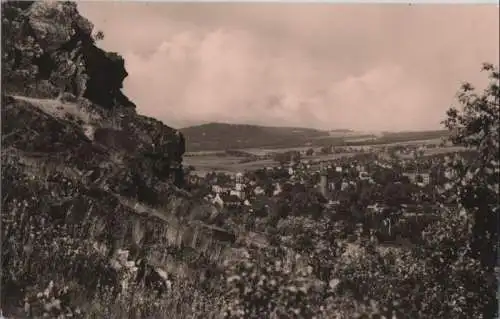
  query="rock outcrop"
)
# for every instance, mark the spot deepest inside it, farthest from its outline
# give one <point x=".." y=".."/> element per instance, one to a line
<point x="41" y="32"/>
<point x="87" y="170"/>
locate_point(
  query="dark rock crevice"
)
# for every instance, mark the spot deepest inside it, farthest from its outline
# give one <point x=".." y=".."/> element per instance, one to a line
<point x="106" y="73"/>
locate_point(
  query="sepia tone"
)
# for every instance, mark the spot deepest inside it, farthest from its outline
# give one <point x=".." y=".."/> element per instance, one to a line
<point x="307" y="65"/>
<point x="187" y="160"/>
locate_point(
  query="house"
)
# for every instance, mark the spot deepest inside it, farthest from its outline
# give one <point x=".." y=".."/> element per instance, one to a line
<point x="375" y="209"/>
<point x="235" y="193"/>
<point x="331" y="185"/>
<point x="258" y="190"/>
<point x="216" y="189"/>
<point x="277" y="189"/>
<point x="217" y="200"/>
<point x="344" y="185"/>
<point x="239" y="186"/>
<point x="421" y="179"/>
<point x="426" y="178"/>
<point x="323" y="184"/>
<point x="364" y="175"/>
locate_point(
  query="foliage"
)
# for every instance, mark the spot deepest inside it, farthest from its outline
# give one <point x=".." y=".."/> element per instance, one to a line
<point x="98" y="36"/>
<point x="286" y="157"/>
<point x="265" y="284"/>
<point x="318" y="240"/>
<point x="429" y="281"/>
<point x="57" y="266"/>
<point x="476" y="125"/>
<point x="433" y="280"/>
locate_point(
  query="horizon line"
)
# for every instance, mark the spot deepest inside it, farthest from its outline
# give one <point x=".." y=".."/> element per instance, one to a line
<point x="312" y="128"/>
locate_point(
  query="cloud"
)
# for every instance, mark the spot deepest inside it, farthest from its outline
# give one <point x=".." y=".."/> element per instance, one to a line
<point x="367" y="67"/>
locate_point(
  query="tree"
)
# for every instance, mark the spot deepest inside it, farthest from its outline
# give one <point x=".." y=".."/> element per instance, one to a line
<point x="295" y="156"/>
<point x="262" y="284"/>
<point x="449" y="274"/>
<point x="281" y="158"/>
<point x="475" y="125"/>
<point x="325" y="150"/>
<point x="310" y="152"/>
<point x="98" y="36"/>
<point x="424" y="282"/>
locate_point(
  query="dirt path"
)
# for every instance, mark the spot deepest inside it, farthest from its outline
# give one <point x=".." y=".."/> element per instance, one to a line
<point x="68" y="111"/>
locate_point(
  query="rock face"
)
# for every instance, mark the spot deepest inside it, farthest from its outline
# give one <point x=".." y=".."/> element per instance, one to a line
<point x="88" y="171"/>
<point x="55" y="28"/>
<point x="55" y="23"/>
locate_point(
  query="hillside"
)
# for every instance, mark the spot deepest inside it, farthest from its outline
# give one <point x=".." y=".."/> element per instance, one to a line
<point x="89" y="186"/>
<point x="221" y="136"/>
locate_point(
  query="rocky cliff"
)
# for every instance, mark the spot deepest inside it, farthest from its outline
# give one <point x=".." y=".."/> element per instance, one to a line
<point x="84" y="176"/>
<point x="39" y="37"/>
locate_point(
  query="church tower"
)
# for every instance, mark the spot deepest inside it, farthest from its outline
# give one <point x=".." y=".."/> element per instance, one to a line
<point x="239" y="186"/>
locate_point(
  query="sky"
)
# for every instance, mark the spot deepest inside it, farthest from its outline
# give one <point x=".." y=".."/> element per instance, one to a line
<point x="367" y="67"/>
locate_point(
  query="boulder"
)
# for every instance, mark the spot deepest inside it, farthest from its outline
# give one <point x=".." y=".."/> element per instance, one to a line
<point x="54" y="23"/>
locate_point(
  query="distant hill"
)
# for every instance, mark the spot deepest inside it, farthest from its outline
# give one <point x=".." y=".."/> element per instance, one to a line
<point x="394" y="137"/>
<point x="220" y="136"/>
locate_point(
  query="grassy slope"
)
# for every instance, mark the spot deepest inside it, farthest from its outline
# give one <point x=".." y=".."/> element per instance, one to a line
<point x="61" y="187"/>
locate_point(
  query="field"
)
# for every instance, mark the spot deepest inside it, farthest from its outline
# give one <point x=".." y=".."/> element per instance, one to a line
<point x="231" y="164"/>
<point x="220" y="136"/>
<point x="441" y="150"/>
<point x="205" y="162"/>
<point x="210" y="156"/>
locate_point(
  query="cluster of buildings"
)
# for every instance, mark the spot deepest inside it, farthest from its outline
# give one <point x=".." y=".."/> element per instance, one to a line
<point x="359" y="186"/>
<point x="258" y="190"/>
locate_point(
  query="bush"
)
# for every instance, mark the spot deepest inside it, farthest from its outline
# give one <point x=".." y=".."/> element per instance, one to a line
<point x="268" y="284"/>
